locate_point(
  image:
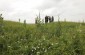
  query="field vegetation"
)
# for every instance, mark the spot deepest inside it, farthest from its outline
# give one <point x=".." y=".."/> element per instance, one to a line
<point x="57" y="38"/>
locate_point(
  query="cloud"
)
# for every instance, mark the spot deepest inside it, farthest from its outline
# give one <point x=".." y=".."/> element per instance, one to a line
<point x="47" y="4"/>
<point x="73" y="10"/>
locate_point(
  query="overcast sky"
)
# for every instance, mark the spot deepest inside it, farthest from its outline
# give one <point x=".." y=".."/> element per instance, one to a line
<point x="72" y="10"/>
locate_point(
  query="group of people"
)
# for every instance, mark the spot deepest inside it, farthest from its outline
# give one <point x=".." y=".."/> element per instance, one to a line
<point x="49" y="19"/>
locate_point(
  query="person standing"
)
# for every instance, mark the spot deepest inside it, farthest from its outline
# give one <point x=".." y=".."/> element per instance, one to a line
<point x="52" y="19"/>
<point x="46" y="19"/>
<point x="1" y="20"/>
<point x="24" y="23"/>
<point x="1" y="24"/>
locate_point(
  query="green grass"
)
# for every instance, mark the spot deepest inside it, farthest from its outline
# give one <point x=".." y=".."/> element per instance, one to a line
<point x="58" y="38"/>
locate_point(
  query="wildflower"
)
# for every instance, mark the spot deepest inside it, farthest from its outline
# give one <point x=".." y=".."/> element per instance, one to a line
<point x="39" y="44"/>
<point x="18" y="41"/>
<point x="32" y="50"/>
<point x="22" y="54"/>
<point x="45" y="50"/>
<point x="31" y="54"/>
<point x="56" y="43"/>
<point x="51" y="43"/>
<point x="21" y="39"/>
<point x="44" y="39"/>
<point x="2" y="36"/>
<point x="38" y="53"/>
<point x="20" y="46"/>
<point x="49" y="47"/>
<point x="9" y="46"/>
<point x="79" y="30"/>
<point x="38" y="47"/>
<point x="26" y="46"/>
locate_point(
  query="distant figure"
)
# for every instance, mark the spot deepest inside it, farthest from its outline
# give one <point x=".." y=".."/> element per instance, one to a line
<point x="52" y="19"/>
<point x="1" y="24"/>
<point x="1" y="17"/>
<point x="19" y="20"/>
<point x="1" y="20"/>
<point x="46" y="19"/>
<point x="49" y="19"/>
<point x="25" y="23"/>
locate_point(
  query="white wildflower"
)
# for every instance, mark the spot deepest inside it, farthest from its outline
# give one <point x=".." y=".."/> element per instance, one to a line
<point x="21" y="39"/>
<point x="22" y="54"/>
<point x="39" y="44"/>
<point x="51" y="43"/>
<point x="49" y="47"/>
<point x="38" y="47"/>
<point x="9" y="46"/>
<point x="26" y="46"/>
<point x="56" y="43"/>
<point x="44" y="39"/>
<point x="18" y="41"/>
<point x="32" y="50"/>
<point x="38" y="53"/>
<point x="2" y="36"/>
<point x="35" y="48"/>
<point x="20" y="46"/>
<point x="45" y="50"/>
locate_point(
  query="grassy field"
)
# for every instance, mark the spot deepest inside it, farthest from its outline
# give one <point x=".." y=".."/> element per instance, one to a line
<point x="58" y="38"/>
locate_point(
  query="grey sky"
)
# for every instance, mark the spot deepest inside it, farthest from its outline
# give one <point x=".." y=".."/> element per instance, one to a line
<point x="72" y="10"/>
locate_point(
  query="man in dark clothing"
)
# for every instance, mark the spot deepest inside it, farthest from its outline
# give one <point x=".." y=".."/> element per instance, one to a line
<point x="52" y="19"/>
<point x="46" y="19"/>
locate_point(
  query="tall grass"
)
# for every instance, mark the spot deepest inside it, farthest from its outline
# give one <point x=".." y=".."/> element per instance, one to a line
<point x="60" y="38"/>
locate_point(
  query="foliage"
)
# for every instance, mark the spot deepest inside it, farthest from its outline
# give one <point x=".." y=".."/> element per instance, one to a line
<point x="60" y="38"/>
